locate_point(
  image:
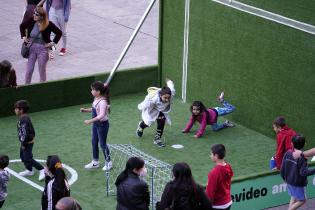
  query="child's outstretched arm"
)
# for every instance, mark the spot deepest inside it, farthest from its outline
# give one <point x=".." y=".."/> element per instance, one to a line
<point x="307" y="153"/>
<point x="202" y="126"/>
<point x="85" y="109"/>
<point x="189" y="125"/>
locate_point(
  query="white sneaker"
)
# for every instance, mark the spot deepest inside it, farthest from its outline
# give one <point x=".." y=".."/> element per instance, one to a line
<point x="26" y="173"/>
<point x="228" y="124"/>
<point x="92" y="164"/>
<point x="220" y="98"/>
<point x="108" y="166"/>
<point x="41" y="176"/>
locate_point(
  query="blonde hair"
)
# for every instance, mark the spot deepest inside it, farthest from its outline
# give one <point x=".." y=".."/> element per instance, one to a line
<point x="43" y="21"/>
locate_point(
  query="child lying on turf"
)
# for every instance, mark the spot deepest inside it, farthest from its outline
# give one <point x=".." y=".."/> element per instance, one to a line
<point x="208" y="116"/>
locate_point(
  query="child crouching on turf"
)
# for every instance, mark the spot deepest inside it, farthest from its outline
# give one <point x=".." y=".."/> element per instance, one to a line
<point x="26" y="134"/>
<point x="155" y="107"/>
<point x="208" y="116"/>
<point x="100" y="110"/>
<point x="294" y="172"/>
<point x="4" y="178"/>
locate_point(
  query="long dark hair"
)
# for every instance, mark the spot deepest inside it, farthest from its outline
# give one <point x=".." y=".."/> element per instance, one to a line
<point x="5" y="68"/>
<point x="132" y="163"/>
<point x="55" y="167"/>
<point x="184" y="181"/>
<point x="182" y="175"/>
<point x="201" y="107"/>
<point x="104" y="90"/>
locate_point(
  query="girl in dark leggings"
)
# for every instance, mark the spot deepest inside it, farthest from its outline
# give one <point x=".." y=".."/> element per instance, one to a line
<point x="155" y="107"/>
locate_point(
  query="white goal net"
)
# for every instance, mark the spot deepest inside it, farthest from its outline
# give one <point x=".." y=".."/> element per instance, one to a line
<point x="159" y="172"/>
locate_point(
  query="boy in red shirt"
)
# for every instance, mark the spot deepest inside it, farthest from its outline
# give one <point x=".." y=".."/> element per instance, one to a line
<point x="218" y="188"/>
<point x="284" y="136"/>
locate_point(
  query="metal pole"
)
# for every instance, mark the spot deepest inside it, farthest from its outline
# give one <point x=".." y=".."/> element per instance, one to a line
<point x="152" y="188"/>
<point x="107" y="183"/>
<point x="135" y="32"/>
<point x="185" y="51"/>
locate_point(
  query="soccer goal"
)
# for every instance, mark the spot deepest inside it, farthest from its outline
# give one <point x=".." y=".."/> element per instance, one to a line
<point x="159" y="172"/>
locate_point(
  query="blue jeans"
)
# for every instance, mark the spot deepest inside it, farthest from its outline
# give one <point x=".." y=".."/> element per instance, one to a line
<point x="99" y="134"/>
<point x="26" y="156"/>
<point x="226" y="109"/>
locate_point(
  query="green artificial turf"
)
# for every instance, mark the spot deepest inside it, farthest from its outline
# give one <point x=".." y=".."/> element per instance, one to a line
<point x="62" y="132"/>
<point x="264" y="67"/>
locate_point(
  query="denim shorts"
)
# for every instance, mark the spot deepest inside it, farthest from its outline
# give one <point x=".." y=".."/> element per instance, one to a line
<point x="297" y="192"/>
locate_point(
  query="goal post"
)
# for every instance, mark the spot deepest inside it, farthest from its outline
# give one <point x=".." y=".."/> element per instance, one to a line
<point x="158" y="172"/>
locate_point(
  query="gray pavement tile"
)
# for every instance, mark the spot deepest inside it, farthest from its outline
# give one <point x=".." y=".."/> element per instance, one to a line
<point x="98" y="31"/>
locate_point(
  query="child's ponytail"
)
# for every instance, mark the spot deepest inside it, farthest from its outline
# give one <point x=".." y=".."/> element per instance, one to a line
<point x="106" y="96"/>
<point x="60" y="178"/>
<point x="55" y="167"/>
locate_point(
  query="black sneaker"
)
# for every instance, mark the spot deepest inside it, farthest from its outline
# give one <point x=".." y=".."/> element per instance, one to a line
<point x="139" y="130"/>
<point x="158" y="141"/>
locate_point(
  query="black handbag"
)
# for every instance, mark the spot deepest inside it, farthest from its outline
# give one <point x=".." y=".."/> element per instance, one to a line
<point x="25" y="50"/>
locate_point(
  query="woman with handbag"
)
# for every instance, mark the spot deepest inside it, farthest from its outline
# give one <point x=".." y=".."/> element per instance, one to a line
<point x="39" y="30"/>
<point x="183" y="193"/>
<point x="132" y="192"/>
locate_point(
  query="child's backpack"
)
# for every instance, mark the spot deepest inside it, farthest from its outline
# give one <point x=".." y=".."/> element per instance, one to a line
<point x="152" y="91"/>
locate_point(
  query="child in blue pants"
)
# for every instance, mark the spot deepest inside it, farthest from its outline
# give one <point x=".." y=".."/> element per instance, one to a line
<point x="100" y="110"/>
<point x="208" y="116"/>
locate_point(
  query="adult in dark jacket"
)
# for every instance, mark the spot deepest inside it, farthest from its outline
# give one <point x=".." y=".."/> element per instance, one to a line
<point x="183" y="193"/>
<point x="132" y="192"/>
<point x="37" y="30"/>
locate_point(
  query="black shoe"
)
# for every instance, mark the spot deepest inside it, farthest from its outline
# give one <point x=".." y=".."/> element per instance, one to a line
<point x="139" y="130"/>
<point x="158" y="141"/>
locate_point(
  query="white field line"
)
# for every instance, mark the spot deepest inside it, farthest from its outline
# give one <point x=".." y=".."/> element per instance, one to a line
<point x="269" y="15"/>
<point x="33" y="184"/>
<point x="185" y="51"/>
<point x="74" y="174"/>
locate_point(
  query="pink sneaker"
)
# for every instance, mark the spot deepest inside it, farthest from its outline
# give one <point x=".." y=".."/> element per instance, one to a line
<point x="63" y="51"/>
<point x="221" y="97"/>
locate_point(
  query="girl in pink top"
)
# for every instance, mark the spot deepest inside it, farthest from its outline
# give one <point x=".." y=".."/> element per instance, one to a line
<point x="208" y="116"/>
<point x="100" y="109"/>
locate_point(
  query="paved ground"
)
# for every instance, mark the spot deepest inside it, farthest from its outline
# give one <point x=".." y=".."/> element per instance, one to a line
<point x="98" y="31"/>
